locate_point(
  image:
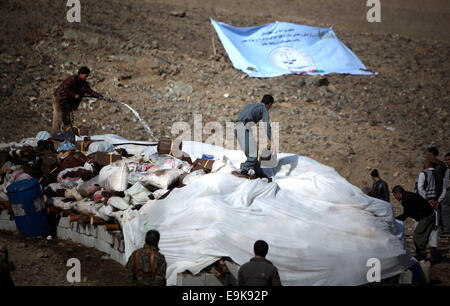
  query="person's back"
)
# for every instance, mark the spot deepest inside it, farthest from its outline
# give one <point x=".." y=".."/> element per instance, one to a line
<point x="380" y="189"/>
<point x="441" y="168"/>
<point x="428" y="182"/>
<point x="415" y="206"/>
<point x="147" y="266"/>
<point x="252" y="113"/>
<point x="258" y="272"/>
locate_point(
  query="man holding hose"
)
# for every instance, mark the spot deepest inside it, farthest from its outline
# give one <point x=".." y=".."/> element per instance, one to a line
<point x="67" y="98"/>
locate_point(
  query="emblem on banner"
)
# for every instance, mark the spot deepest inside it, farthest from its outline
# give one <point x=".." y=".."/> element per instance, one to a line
<point x="288" y="58"/>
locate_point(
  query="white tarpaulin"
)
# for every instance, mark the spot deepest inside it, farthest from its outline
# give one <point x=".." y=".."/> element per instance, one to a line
<point x="321" y="230"/>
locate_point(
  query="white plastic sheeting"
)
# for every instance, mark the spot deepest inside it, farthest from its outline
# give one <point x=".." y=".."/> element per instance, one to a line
<point x="321" y="230"/>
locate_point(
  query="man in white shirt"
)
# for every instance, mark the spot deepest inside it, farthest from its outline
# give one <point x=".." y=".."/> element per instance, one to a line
<point x="426" y="187"/>
<point x="444" y="198"/>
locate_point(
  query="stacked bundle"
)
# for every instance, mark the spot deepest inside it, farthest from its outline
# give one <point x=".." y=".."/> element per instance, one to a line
<point x="90" y="180"/>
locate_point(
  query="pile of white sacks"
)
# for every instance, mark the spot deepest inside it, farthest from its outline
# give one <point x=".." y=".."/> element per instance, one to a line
<point x="321" y="230"/>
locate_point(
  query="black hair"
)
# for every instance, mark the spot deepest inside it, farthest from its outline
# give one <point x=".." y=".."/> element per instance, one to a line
<point x="84" y="70"/>
<point x="447" y="155"/>
<point x="261" y="248"/>
<point x="267" y="99"/>
<point x="398" y="188"/>
<point x="374" y="173"/>
<point x="433" y="150"/>
<point x="152" y="237"/>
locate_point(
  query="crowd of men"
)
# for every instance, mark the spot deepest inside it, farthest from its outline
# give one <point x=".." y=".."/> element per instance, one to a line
<point x="428" y="205"/>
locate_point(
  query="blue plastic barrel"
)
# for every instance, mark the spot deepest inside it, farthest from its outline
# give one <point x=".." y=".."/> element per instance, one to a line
<point x="28" y="206"/>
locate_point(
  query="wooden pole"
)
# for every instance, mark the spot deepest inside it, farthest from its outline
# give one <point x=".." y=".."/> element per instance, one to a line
<point x="214" y="45"/>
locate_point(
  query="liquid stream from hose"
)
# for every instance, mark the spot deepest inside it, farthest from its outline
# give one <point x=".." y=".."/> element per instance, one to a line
<point x="140" y="120"/>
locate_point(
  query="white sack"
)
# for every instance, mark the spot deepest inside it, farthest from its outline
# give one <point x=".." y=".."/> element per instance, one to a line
<point x="118" y="202"/>
<point x="104" y="212"/>
<point x="114" y="177"/>
<point x="100" y="146"/>
<point x="69" y="182"/>
<point x="104" y="173"/>
<point x="194" y="175"/>
<point x="159" y="193"/>
<point x="137" y="194"/>
<point x="55" y="186"/>
<point x="85" y="206"/>
<point x="89" y="187"/>
<point x="3" y="196"/>
<point x="73" y="194"/>
<point x="58" y="202"/>
<point x="161" y="179"/>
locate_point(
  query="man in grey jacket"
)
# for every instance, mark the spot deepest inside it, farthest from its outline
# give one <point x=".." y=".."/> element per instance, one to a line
<point x="259" y="271"/>
<point x="249" y="116"/>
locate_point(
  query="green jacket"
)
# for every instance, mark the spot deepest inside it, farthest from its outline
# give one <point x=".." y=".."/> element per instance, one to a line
<point x="143" y="271"/>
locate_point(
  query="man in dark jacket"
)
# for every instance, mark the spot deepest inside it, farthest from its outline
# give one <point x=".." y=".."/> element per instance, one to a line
<point x="439" y="165"/>
<point x="259" y="271"/>
<point x="67" y="98"/>
<point x="417" y="208"/>
<point x="147" y="266"/>
<point x="380" y="189"/>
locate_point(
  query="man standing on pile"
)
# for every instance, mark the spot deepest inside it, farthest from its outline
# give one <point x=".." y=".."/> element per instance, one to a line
<point x="147" y="266"/>
<point x="380" y="189"/>
<point x="67" y="98"/>
<point x="417" y="208"/>
<point x="249" y="116"/>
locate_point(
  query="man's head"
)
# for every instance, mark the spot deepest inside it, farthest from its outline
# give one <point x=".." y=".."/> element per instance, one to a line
<point x="432" y="153"/>
<point x="447" y="159"/>
<point x="374" y="174"/>
<point x="261" y="248"/>
<point x="83" y="73"/>
<point x="268" y="101"/>
<point x="428" y="163"/>
<point x="398" y="191"/>
<point x="152" y="238"/>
